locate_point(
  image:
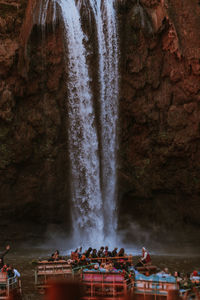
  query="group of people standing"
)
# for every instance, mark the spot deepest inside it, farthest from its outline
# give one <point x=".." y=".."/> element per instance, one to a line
<point x="103" y="252"/>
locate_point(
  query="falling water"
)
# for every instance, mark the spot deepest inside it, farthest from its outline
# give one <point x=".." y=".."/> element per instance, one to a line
<point x="93" y="162"/>
<point x="108" y="74"/>
<point x="83" y="143"/>
<point x="43" y="11"/>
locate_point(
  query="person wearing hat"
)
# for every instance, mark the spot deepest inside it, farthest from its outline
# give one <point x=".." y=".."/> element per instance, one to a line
<point x="145" y="259"/>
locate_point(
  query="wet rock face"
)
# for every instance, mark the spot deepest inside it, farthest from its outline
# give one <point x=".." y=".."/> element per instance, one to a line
<point x="33" y="158"/>
<point x="160" y="149"/>
<point x="159" y="155"/>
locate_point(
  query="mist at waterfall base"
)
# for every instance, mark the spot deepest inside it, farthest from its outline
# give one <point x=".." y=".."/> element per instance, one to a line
<point x="132" y="239"/>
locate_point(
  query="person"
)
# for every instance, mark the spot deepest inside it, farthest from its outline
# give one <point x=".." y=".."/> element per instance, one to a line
<point x="102" y="267"/>
<point x="186" y="283"/>
<point x="177" y="276"/>
<point x="101" y="252"/>
<point x="108" y="266"/>
<point x="12" y="272"/>
<point x="4" y="269"/>
<point x="55" y="256"/>
<point x="94" y="253"/>
<point x="106" y="252"/>
<point x="121" y="252"/>
<point x="96" y="267"/>
<point x="80" y="252"/>
<point x="145" y="259"/>
<point x="2" y="256"/>
<point x="114" y="252"/>
<point x="83" y="260"/>
<point x="194" y="277"/>
<point x="88" y="252"/>
<point x="9" y="270"/>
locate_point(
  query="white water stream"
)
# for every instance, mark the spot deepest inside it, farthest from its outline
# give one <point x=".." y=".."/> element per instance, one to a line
<point x="109" y="87"/>
<point x="92" y="156"/>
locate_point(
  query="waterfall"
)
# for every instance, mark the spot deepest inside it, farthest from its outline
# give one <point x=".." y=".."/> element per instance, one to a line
<point x="82" y="133"/>
<point x="93" y="161"/>
<point x="43" y="11"/>
<point x="109" y="88"/>
<point x="43" y="8"/>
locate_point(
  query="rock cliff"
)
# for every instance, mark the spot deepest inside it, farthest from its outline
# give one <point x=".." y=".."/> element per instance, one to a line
<point x="33" y="165"/>
<point x="160" y="132"/>
<point x="159" y="153"/>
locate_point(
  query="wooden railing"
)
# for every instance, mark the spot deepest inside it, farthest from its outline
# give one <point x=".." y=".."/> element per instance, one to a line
<point x="109" y="285"/>
<point x="51" y="269"/>
<point x="8" y="284"/>
<point x="128" y="258"/>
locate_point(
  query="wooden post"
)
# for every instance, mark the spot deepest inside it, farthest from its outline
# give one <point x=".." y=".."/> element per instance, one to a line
<point x="36" y="277"/>
<point x="8" y="287"/>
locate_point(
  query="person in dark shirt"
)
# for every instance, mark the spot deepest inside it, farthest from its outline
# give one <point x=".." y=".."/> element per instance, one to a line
<point x="2" y="256"/>
<point x="121" y="252"/>
<point x="94" y="253"/>
<point x="114" y="252"/>
<point x="101" y="252"/>
<point x="106" y="252"/>
<point x="88" y="252"/>
<point x="10" y="271"/>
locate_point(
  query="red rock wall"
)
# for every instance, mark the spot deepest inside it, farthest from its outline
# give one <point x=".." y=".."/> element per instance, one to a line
<point x="33" y="145"/>
<point x="160" y="114"/>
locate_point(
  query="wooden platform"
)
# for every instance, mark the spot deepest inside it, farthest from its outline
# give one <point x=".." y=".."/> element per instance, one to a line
<point x="48" y="270"/>
<point x="154" y="286"/>
<point x="105" y="285"/>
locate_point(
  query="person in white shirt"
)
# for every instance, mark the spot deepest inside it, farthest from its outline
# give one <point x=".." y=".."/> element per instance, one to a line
<point x="145" y="259"/>
<point x="16" y="273"/>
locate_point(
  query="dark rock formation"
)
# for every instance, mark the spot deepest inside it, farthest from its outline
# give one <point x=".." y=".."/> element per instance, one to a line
<point x="159" y="155"/>
<point x="160" y="132"/>
<point x="33" y="148"/>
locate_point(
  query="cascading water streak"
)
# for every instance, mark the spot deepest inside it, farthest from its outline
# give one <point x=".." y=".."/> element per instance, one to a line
<point x="83" y="143"/>
<point x="106" y="24"/>
<point x="109" y="117"/>
<point x="43" y="12"/>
